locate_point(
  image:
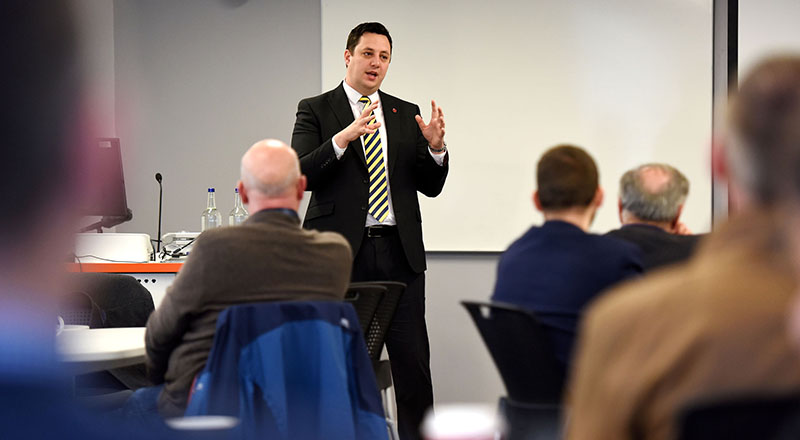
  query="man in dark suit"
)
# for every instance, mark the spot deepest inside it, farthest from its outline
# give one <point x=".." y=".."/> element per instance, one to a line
<point x="651" y="199"/>
<point x="366" y="154"/>
<point x="267" y="258"/>
<point x="557" y="268"/>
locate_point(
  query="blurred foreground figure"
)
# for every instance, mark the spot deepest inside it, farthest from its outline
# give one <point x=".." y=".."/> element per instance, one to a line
<point x="716" y="326"/>
<point x="40" y="188"/>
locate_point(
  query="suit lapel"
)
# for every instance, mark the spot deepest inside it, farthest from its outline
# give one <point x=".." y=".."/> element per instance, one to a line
<point x="391" y="119"/>
<point x="344" y="114"/>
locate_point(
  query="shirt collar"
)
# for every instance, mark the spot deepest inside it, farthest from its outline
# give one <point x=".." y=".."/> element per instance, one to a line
<point x="354" y="95"/>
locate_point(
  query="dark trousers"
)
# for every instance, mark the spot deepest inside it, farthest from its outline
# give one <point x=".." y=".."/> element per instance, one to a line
<point x="383" y="259"/>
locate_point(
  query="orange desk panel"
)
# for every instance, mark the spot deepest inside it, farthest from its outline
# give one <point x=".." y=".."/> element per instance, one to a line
<point x="125" y="267"/>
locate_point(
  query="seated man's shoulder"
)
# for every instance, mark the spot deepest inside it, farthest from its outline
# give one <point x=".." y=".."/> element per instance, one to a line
<point x="614" y="250"/>
<point x="328" y="238"/>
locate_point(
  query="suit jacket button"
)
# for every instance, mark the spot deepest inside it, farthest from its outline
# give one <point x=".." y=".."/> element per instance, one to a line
<point x="363" y="208"/>
<point x="364" y="181"/>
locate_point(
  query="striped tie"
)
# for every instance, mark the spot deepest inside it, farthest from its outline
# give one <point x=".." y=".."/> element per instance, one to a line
<point x="378" y="191"/>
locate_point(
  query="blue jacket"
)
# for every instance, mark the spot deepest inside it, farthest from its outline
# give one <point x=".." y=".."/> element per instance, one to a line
<point x="556" y="269"/>
<point x="291" y="370"/>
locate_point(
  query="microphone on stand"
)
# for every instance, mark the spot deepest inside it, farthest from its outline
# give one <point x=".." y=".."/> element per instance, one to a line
<point x="160" y="196"/>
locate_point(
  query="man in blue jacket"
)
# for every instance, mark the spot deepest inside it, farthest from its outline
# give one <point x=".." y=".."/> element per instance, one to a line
<point x="557" y="268"/>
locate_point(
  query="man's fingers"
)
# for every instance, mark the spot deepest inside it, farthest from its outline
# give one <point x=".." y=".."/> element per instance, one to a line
<point x="433" y="109"/>
<point x="420" y="122"/>
<point x="369" y="109"/>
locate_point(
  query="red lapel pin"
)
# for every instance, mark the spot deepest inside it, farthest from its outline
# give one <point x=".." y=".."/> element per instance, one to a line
<point x="394" y="110"/>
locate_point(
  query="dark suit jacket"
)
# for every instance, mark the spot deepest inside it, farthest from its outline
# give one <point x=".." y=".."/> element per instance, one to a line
<point x="658" y="246"/>
<point x="341" y="186"/>
<point x="556" y="269"/>
<point x="267" y="258"/>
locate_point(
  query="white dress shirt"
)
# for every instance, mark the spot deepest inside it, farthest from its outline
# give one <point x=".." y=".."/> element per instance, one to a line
<point x="357" y="107"/>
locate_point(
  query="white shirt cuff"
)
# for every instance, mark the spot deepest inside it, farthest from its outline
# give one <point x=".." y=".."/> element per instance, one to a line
<point x="336" y="150"/>
<point x="438" y="158"/>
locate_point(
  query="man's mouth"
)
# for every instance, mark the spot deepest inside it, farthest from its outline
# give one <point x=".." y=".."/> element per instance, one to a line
<point x="372" y="75"/>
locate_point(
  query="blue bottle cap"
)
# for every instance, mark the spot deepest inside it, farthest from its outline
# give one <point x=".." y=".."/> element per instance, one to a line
<point x="211" y="190"/>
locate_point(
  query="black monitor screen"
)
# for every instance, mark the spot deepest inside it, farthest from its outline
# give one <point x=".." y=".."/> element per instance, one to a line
<point x="107" y="191"/>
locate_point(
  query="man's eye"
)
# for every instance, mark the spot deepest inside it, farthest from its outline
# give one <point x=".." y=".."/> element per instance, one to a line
<point x="367" y="54"/>
<point x="385" y="57"/>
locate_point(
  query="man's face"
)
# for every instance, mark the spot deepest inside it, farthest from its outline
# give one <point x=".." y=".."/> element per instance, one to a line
<point x="368" y="63"/>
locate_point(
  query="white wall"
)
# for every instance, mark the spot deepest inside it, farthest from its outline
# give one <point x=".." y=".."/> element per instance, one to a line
<point x="95" y="24"/>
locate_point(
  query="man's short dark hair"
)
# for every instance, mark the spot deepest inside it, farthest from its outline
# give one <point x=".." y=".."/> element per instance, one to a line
<point x="39" y="87"/>
<point x="371" y="27"/>
<point x="566" y="177"/>
<point x="764" y="149"/>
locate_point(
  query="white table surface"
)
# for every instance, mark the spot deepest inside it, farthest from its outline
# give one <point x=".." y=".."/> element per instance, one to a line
<point x="88" y="350"/>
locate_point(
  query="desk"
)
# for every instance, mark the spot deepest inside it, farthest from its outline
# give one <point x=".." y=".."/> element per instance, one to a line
<point x="155" y="277"/>
<point x="90" y="350"/>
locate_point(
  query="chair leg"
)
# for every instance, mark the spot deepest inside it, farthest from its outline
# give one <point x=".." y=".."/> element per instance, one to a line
<point x="388" y="398"/>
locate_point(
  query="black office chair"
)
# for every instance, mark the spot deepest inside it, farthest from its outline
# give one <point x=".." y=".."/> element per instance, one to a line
<point x="365" y="298"/>
<point x="524" y="356"/>
<point x="375" y="337"/>
<point x="78" y="308"/>
<point x="124" y="302"/>
<point x="745" y="417"/>
<point x="107" y="301"/>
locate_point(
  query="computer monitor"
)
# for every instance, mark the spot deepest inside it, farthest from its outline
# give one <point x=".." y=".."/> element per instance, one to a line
<point x="107" y="186"/>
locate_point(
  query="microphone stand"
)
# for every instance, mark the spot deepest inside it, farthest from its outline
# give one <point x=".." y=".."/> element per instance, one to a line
<point x="160" y="198"/>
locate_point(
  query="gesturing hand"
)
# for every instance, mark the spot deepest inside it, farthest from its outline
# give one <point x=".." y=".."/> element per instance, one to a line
<point x="433" y="132"/>
<point x="364" y="124"/>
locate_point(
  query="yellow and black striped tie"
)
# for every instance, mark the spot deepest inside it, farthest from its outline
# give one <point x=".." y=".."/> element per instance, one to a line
<point x="378" y="191"/>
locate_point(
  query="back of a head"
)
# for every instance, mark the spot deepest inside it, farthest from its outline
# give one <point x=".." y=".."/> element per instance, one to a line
<point x="39" y="91"/>
<point x="653" y="192"/>
<point x="566" y="177"/>
<point x="764" y="146"/>
<point x="270" y="170"/>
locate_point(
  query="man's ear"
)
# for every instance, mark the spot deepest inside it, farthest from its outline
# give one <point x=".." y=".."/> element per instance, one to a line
<point x="243" y="193"/>
<point x="597" y="201"/>
<point x="719" y="160"/>
<point x="619" y="210"/>
<point x="347" y="56"/>
<point x="677" y="217"/>
<point x="301" y="186"/>
<point x="536" y="202"/>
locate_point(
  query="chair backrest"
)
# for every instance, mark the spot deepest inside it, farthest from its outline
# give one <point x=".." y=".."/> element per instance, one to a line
<point x="742" y="417"/>
<point x="123" y="300"/>
<point x="291" y="370"/>
<point x="365" y="298"/>
<point x="78" y="308"/>
<point x="375" y="335"/>
<point x="521" y="351"/>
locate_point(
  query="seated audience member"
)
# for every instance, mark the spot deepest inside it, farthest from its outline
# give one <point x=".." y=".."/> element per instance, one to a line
<point x="717" y="325"/>
<point x="267" y="258"/>
<point x="651" y="199"/>
<point x="42" y="183"/>
<point x="557" y="268"/>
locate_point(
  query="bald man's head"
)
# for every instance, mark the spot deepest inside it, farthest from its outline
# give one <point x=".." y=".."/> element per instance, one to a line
<point x="653" y="192"/>
<point x="271" y="176"/>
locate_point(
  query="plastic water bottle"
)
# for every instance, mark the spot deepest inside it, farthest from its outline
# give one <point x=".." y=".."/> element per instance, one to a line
<point x="238" y="214"/>
<point x="211" y="218"/>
